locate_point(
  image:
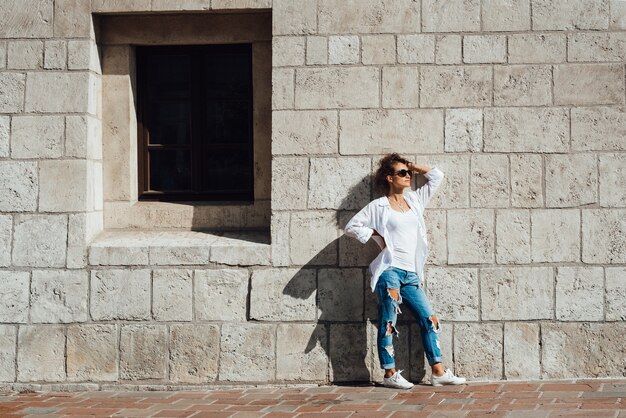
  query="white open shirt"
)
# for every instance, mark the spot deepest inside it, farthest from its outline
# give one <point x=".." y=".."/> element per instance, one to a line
<point x="375" y="216"/>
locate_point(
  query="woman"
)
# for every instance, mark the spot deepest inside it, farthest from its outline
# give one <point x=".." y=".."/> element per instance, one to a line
<point x="396" y="222"/>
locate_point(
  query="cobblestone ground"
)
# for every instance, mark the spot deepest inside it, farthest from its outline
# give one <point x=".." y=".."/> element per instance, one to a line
<point x="581" y="398"/>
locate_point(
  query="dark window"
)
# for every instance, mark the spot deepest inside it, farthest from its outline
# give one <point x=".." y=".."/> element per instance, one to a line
<point x="195" y="123"/>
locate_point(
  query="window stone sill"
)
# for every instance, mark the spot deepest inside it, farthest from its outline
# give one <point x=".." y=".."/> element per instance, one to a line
<point x="177" y="248"/>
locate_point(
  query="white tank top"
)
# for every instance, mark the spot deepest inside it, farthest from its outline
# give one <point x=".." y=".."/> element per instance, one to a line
<point x="402" y="228"/>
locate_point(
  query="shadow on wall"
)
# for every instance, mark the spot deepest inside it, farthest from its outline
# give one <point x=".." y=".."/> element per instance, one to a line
<point x="347" y="309"/>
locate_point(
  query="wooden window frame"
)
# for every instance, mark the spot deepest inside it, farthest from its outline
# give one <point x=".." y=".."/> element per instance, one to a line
<point x="143" y="134"/>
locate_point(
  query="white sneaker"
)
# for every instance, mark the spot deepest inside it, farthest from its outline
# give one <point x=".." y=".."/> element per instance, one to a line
<point x="447" y="378"/>
<point x="397" y="381"/>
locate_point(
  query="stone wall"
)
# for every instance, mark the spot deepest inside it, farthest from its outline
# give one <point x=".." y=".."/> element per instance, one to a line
<point x="520" y="103"/>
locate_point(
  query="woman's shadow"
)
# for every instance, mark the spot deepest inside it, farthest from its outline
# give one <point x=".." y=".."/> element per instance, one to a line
<point x="347" y="309"/>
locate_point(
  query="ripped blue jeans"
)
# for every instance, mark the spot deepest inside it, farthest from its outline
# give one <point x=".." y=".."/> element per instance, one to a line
<point x="413" y="296"/>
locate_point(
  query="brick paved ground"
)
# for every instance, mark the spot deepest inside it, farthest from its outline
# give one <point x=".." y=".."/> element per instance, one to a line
<point x="582" y="398"/>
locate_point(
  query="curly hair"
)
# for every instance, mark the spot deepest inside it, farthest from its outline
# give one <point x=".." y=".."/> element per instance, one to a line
<point x="385" y="168"/>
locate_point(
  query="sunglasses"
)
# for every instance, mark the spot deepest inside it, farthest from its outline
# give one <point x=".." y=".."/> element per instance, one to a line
<point x="403" y="173"/>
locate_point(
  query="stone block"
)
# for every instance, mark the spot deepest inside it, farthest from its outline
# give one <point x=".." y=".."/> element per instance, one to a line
<point x="537" y="48"/>
<point x="451" y="16"/>
<point x="8" y="344"/>
<point x="464" y="130"/>
<point x="83" y="137"/>
<point x="283" y="89"/>
<point x="297" y="171"/>
<point x="240" y="4"/>
<point x="288" y="51"/>
<point x="313" y="238"/>
<point x="506" y="292"/>
<point x="54" y="92"/>
<point x="92" y="353"/>
<point x="615" y="293"/>
<point x="83" y="55"/>
<point x="570" y="14"/>
<point x="603" y="237"/>
<point x="455" y="86"/>
<point x="280" y="238"/>
<point x="55" y="55"/>
<point x="247" y="352"/>
<point x="454" y="291"/>
<point x="519" y="129"/>
<point x="6" y="237"/>
<point x="120" y="294"/>
<point x="26" y="19"/>
<point x="470" y="236"/>
<point x="370" y="16"/>
<point x="506" y="15"/>
<point x="169" y="255"/>
<point x="555" y="235"/>
<point x="348" y="350"/>
<point x="330" y="188"/>
<point x="378" y="49"/>
<point x="400" y="87"/>
<point x="283" y="295"/>
<point x="513" y="236"/>
<point x="40" y="353"/>
<point x="436" y="234"/>
<point x="612" y="180"/>
<point x="340" y="294"/>
<point x="172" y="295"/>
<point x="5" y="132"/>
<point x="72" y="18"/>
<point x="39" y="240"/>
<point x="220" y="295"/>
<point x="588" y="84"/>
<point x="344" y="49"/>
<point x="379" y="131"/>
<point x="448" y="49"/>
<point x="489" y="182"/>
<point x="14" y="296"/>
<point x="59" y="296"/>
<point x="194" y="353"/>
<point x="37" y="137"/>
<point x="126" y="254"/>
<point x="3" y="55"/>
<point x="316" y="50"/>
<point x="522" y="358"/>
<point x="294" y="17"/>
<point x="526" y="180"/>
<point x="180" y="5"/>
<point x="63" y="186"/>
<point x="454" y="191"/>
<point x="111" y="6"/>
<point x="416" y="49"/>
<point x="25" y="55"/>
<point x="571" y="180"/>
<point x="579" y="293"/>
<point x="598" y="128"/>
<point x="596" y="47"/>
<point x="304" y="132"/>
<point x="484" y="49"/>
<point x="565" y="356"/>
<point x="618" y="14"/>
<point x="12" y="87"/>
<point x="337" y="87"/>
<point x="302" y="350"/>
<point x="522" y="85"/>
<point x="143" y="352"/>
<point x="235" y="249"/>
<point x="478" y="350"/>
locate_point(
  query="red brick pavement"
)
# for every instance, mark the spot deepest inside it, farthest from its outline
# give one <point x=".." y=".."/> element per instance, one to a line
<point x="581" y="398"/>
